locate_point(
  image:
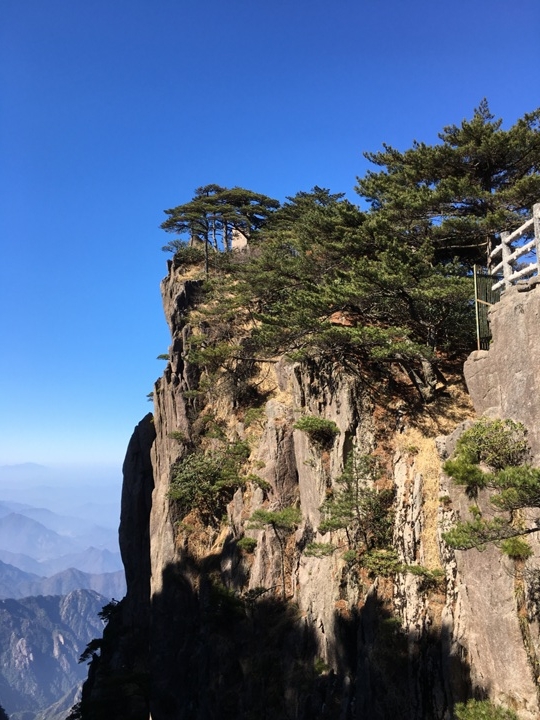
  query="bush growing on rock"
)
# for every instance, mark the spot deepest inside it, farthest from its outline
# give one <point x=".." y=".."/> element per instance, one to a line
<point x="483" y="710"/>
<point x="492" y="455"/>
<point x="320" y="431"/>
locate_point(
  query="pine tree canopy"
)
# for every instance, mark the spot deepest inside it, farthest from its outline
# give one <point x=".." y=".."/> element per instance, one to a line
<point x="452" y="199"/>
<point x="323" y="278"/>
<point x="215" y="211"/>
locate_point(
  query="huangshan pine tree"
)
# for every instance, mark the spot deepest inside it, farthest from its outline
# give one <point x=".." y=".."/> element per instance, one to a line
<point x="392" y="284"/>
<point x="452" y="199"/>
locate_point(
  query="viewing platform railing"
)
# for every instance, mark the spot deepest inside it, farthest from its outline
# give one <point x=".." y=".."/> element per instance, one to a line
<point x="509" y="253"/>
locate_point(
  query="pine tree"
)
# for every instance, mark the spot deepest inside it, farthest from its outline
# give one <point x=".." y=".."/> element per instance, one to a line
<point x="324" y="279"/>
<point x="452" y="199"/>
<point x="214" y="212"/>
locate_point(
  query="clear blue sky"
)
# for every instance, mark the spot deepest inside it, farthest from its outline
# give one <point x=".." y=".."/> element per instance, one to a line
<point x="114" y="110"/>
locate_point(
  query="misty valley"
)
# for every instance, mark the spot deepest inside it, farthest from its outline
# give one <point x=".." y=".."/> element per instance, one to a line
<point x="59" y="566"/>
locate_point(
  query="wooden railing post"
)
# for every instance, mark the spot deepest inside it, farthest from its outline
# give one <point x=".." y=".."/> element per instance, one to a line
<point x="505" y="252"/>
<point x="536" y="218"/>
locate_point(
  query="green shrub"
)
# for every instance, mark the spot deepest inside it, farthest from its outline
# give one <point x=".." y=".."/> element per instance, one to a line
<point x="286" y="519"/>
<point x="357" y="507"/>
<point x="320" y="431"/>
<point x="501" y="445"/>
<point x="247" y="544"/>
<point x="516" y="548"/>
<point x="431" y="579"/>
<point x="208" y="481"/>
<point x="382" y="562"/>
<point x="320" y="666"/>
<point x="240" y="450"/>
<point x="496" y="443"/>
<point x="350" y="556"/>
<point x="178" y="435"/>
<point x="259" y="482"/>
<point x="184" y="254"/>
<point x="193" y="394"/>
<point x="319" y="549"/>
<point x="253" y="415"/>
<point x="211" y="357"/>
<point x="475" y="533"/>
<point x="483" y="710"/>
<point x="92" y="648"/>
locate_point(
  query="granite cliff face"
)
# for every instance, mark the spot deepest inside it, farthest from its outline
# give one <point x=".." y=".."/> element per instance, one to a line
<point x="204" y="631"/>
<point x="504" y="381"/>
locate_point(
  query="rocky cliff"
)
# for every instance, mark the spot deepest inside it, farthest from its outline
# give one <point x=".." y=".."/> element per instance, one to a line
<point x="229" y="617"/>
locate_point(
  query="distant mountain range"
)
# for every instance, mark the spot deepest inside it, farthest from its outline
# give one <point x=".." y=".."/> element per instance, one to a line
<point x="59" y="565"/>
<point x="42" y="544"/>
<point x="86" y="532"/>
<point x="91" y="560"/>
<point x="15" y="583"/>
<point x="41" y="640"/>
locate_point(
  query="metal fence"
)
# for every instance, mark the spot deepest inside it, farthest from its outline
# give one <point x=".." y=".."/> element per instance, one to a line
<point x="485" y="294"/>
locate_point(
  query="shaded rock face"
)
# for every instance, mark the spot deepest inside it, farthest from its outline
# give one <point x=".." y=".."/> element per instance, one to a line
<point x="134" y="533"/>
<point x="204" y="629"/>
<point x="118" y="677"/>
<point x="496" y="608"/>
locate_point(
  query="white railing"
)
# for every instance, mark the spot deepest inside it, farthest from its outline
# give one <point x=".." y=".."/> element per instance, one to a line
<point x="511" y="270"/>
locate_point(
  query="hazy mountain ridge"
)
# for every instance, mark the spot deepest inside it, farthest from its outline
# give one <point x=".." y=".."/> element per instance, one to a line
<point x="59" y="565"/>
<point x="15" y="583"/>
<point x="91" y="561"/>
<point x="49" y="537"/>
<point x="84" y="531"/>
<point x="26" y="536"/>
<point x="44" y="543"/>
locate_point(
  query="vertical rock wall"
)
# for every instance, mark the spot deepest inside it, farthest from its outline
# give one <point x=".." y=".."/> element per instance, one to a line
<point x="504" y="381"/>
<point x="499" y="631"/>
<point x="349" y="645"/>
<point x="352" y="621"/>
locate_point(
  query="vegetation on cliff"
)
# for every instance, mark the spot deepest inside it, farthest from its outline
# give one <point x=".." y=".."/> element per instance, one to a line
<point x="483" y="710"/>
<point x="208" y="481"/>
<point x="392" y="284"/>
<point x="358" y="291"/>
<point x="492" y="455"/>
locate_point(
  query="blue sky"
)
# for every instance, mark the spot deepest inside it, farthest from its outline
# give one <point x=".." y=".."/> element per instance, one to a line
<point x="112" y="112"/>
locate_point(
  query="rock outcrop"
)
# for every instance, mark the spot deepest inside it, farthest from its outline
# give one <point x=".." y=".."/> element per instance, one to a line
<point x="497" y="600"/>
<point x="220" y="635"/>
<point x="504" y="381"/>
